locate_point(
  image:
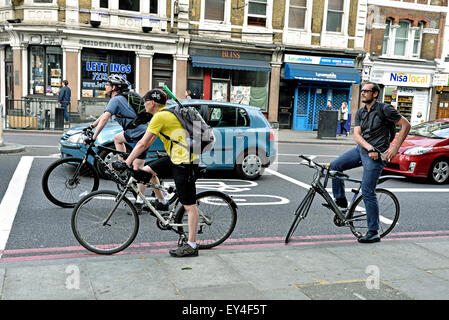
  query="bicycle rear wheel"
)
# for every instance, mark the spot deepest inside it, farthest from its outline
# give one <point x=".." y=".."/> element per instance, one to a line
<point x="301" y="213"/>
<point x="388" y="213"/>
<point x="67" y="180"/>
<point x="217" y="218"/>
<point x="89" y="224"/>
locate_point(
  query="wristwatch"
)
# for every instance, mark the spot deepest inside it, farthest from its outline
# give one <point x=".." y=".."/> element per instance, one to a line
<point x="374" y="150"/>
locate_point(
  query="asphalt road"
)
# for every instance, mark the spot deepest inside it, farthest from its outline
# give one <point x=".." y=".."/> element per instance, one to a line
<point x="265" y="207"/>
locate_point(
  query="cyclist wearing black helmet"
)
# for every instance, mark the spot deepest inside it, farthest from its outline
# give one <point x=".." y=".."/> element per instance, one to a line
<point x="124" y="113"/>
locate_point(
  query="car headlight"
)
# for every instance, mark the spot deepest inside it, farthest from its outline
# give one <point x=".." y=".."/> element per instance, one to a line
<point x="418" y="150"/>
<point x="77" y="138"/>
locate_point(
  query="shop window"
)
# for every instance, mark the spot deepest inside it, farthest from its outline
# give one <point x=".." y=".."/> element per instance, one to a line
<point x="334" y="15"/>
<point x="104" y="4"/>
<point x="214" y="10"/>
<point x="130" y="5"/>
<point x="97" y="65"/>
<point x="45" y="70"/>
<point x="297" y="14"/>
<point x="257" y="13"/>
<point x="402" y="40"/>
<point x="250" y="88"/>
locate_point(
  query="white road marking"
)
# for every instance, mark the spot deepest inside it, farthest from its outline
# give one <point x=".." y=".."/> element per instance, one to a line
<point x="11" y="199"/>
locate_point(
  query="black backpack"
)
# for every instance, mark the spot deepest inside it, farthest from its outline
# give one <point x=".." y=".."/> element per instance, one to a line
<point x="391" y="126"/>
<point x="138" y="105"/>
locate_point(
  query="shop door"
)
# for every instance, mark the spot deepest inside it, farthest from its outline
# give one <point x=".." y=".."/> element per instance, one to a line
<point x="443" y="108"/>
<point x="309" y="101"/>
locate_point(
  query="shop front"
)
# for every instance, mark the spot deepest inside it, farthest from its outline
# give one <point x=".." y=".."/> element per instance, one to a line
<point x="312" y="81"/>
<point x="441" y="84"/>
<point x="229" y="75"/>
<point x="408" y="91"/>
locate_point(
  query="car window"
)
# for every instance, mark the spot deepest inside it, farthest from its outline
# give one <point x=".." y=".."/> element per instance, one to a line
<point x="434" y="129"/>
<point x="228" y="117"/>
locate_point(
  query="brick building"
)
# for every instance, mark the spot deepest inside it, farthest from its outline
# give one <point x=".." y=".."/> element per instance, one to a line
<point x="404" y="41"/>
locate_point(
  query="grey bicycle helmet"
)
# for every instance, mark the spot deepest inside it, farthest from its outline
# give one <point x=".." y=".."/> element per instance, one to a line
<point x="120" y="82"/>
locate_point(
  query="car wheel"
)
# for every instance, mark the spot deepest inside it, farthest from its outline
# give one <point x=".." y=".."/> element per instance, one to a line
<point x="107" y="157"/>
<point x="249" y="164"/>
<point x="439" y="172"/>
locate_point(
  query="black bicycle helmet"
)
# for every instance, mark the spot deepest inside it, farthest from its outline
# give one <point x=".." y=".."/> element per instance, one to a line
<point x="121" y="83"/>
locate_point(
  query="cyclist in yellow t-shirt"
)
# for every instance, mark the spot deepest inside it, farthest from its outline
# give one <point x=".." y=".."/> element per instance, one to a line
<point x="176" y="164"/>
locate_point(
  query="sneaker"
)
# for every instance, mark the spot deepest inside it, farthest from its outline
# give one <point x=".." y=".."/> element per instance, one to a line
<point x="139" y="208"/>
<point x="185" y="250"/>
<point x="370" y="237"/>
<point x="159" y="205"/>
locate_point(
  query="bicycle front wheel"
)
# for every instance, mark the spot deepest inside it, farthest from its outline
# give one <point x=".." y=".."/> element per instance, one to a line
<point x="217" y="218"/>
<point x="104" y="224"/>
<point x="388" y="213"/>
<point x="67" y="180"/>
<point x="301" y="213"/>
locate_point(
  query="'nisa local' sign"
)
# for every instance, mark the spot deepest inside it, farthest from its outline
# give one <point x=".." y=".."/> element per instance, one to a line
<point x="407" y="79"/>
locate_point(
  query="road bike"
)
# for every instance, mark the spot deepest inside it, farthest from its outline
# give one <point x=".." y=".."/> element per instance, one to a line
<point x="66" y="180"/>
<point x="106" y="222"/>
<point x="354" y="216"/>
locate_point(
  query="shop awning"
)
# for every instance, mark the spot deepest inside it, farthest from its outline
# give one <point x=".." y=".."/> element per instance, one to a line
<point x="321" y="73"/>
<point x="233" y="64"/>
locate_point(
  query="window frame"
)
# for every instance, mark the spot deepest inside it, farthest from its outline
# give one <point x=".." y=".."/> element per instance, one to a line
<point x="410" y="40"/>
<point x="257" y="16"/>
<point x="343" y="17"/>
<point x="305" y="15"/>
<point x="225" y="6"/>
<point x="47" y="78"/>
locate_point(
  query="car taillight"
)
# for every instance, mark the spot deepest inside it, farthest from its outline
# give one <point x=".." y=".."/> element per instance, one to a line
<point x="271" y="136"/>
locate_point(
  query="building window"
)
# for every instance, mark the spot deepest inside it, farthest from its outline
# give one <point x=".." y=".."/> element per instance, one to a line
<point x="214" y="10"/>
<point x="104" y="4"/>
<point x="130" y="5"/>
<point x="257" y="13"/>
<point x="334" y="15"/>
<point x="153" y="6"/>
<point x="43" y="1"/>
<point x="386" y="37"/>
<point x="45" y="70"/>
<point x="297" y="14"/>
<point x="417" y="40"/>
<point x="97" y="65"/>
<point x="402" y="40"/>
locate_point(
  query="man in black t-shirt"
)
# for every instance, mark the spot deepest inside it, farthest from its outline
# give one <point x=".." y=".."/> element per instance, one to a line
<point x="373" y="141"/>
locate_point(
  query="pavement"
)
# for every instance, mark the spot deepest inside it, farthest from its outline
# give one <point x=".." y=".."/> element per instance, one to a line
<point x="402" y="266"/>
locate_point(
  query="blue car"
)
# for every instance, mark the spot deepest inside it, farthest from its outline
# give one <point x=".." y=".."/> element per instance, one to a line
<point x="244" y="139"/>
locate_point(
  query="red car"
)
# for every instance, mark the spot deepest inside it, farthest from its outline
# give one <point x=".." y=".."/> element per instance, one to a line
<point x="424" y="153"/>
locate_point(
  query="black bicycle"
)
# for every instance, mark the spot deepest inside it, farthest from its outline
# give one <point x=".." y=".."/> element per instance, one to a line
<point x="67" y="180"/>
<point x="355" y="216"/>
<point x="106" y="222"/>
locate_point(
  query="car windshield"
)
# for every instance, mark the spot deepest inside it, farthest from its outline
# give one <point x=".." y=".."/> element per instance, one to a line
<point x="433" y="129"/>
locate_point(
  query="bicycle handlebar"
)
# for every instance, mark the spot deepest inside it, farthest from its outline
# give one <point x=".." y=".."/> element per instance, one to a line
<point x="332" y="173"/>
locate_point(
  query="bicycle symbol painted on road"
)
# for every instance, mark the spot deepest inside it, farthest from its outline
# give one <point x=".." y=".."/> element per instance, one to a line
<point x="234" y="186"/>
